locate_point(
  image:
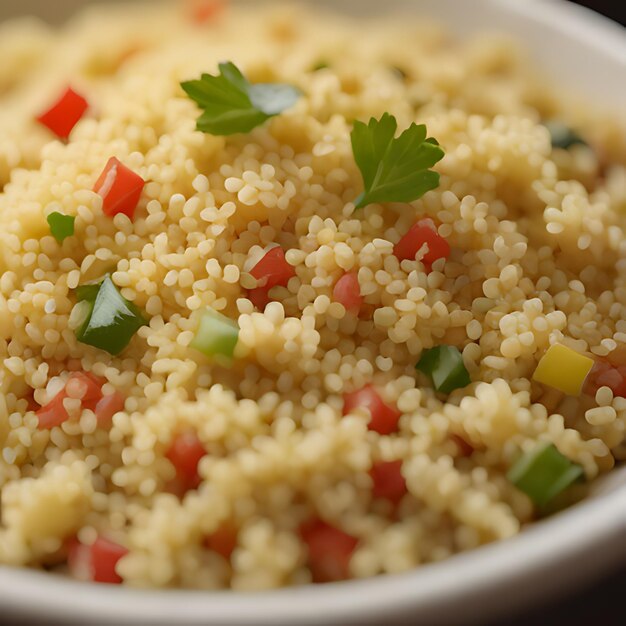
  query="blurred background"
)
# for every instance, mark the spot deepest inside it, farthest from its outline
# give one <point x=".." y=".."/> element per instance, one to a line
<point x="57" y="9"/>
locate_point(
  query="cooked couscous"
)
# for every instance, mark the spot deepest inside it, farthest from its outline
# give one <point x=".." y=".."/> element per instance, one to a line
<point x="289" y="298"/>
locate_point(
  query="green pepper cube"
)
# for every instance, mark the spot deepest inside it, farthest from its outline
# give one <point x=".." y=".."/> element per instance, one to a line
<point x="88" y="292"/>
<point x="216" y="334"/>
<point x="444" y="365"/>
<point x="543" y="473"/>
<point x="563" y="136"/>
<point x="112" y="320"/>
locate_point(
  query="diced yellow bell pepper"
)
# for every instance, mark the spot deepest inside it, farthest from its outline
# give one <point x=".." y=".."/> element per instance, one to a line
<point x="564" y="369"/>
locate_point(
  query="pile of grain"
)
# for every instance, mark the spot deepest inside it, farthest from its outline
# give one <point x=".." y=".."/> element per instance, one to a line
<point x="538" y="253"/>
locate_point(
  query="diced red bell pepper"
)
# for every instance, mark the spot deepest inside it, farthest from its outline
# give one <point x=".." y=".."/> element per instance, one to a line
<point x="33" y="405"/>
<point x="329" y="551"/>
<point x="54" y="413"/>
<point x="260" y="297"/>
<point x="64" y="114"/>
<point x="423" y="232"/>
<point x="464" y="448"/>
<point x="605" y="374"/>
<point x="387" y="481"/>
<point x="93" y="388"/>
<point x="108" y="406"/>
<point x="271" y="271"/>
<point x="204" y="11"/>
<point x="97" y="562"/>
<point x="120" y="189"/>
<point x="384" y="418"/>
<point x="223" y="540"/>
<point x="347" y="291"/>
<point x="185" y="453"/>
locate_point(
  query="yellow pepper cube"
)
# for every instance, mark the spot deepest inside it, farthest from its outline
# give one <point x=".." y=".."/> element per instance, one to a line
<point x="564" y="369"/>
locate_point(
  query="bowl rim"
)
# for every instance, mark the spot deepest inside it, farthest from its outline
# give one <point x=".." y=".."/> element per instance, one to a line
<point x="568" y="538"/>
<point x="581" y="532"/>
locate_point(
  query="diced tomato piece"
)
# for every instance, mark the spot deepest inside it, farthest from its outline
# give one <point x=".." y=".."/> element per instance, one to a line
<point x="64" y="114"/>
<point x="96" y="562"/>
<point x="54" y="413"/>
<point x="347" y="291"/>
<point x="93" y="388"/>
<point x="85" y="386"/>
<point x="465" y="449"/>
<point x="185" y="453"/>
<point x="97" y="380"/>
<point x="223" y="540"/>
<point x="108" y="406"/>
<point x="120" y="189"/>
<point x="423" y="232"/>
<point x="384" y="418"/>
<point x="105" y="555"/>
<point x="388" y="481"/>
<point x="271" y="271"/>
<point x="604" y="374"/>
<point x="204" y="11"/>
<point x="260" y="297"/>
<point x="329" y="551"/>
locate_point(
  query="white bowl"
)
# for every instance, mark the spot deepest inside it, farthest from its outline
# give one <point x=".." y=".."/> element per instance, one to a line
<point x="583" y="51"/>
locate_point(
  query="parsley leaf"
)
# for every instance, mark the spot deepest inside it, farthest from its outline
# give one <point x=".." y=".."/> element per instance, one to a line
<point x="394" y="169"/>
<point x="233" y="105"/>
<point x="61" y="226"/>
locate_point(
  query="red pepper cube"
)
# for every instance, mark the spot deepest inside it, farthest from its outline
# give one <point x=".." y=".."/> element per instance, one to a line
<point x="32" y="404"/>
<point x="423" y="232"/>
<point x="83" y="386"/>
<point x="107" y="407"/>
<point x="464" y="448"/>
<point x="271" y="271"/>
<point x="387" y="481"/>
<point x="223" y="540"/>
<point x="184" y="454"/>
<point x="329" y="551"/>
<point x="97" y="562"/>
<point x="347" y="291"/>
<point x="605" y="374"/>
<point x="205" y="11"/>
<point x="260" y="297"/>
<point x="384" y="418"/>
<point x="54" y="413"/>
<point x="88" y="388"/>
<point x="64" y="114"/>
<point x="120" y="189"/>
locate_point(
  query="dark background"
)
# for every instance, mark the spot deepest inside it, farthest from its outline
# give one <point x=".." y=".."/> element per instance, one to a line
<point x="603" y="603"/>
<point x="615" y="9"/>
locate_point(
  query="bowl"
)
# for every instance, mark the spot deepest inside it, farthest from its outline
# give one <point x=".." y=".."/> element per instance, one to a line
<point x="586" y="53"/>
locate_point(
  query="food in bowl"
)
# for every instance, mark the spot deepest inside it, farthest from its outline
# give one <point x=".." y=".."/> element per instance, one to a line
<point x="290" y="298"/>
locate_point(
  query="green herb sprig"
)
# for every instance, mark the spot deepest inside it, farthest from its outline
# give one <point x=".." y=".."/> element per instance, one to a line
<point x="394" y="169"/>
<point x="61" y="226"/>
<point x="233" y="105"/>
